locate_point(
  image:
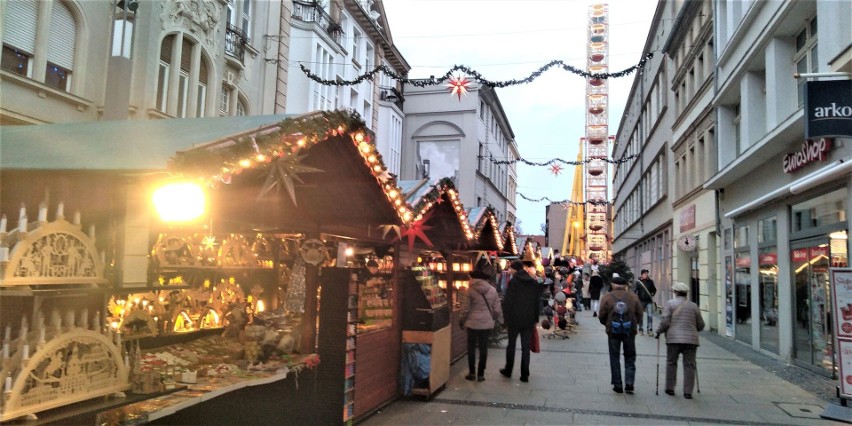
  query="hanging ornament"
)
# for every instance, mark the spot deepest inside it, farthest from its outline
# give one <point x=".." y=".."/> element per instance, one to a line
<point x="417" y="230"/>
<point x="208" y="242"/>
<point x="283" y="172"/>
<point x="555" y="169"/>
<point x="459" y="86"/>
<point x="313" y="251"/>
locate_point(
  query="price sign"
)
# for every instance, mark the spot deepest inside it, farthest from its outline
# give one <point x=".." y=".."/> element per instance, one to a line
<point x="841" y="291"/>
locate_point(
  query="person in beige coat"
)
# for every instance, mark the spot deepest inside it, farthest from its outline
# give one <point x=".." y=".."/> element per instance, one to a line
<point x="681" y="323"/>
<point x="481" y="311"/>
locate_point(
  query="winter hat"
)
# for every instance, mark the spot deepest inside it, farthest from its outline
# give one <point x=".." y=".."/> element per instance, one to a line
<point x="517" y="265"/>
<point x="483" y="270"/>
<point x="680" y="287"/>
<point x="618" y="280"/>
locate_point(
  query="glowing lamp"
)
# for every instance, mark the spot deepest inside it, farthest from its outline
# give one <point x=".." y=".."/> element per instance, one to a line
<point x="245" y="163"/>
<point x="179" y="202"/>
<point x="260" y="306"/>
<point x="359" y="137"/>
<point x="349" y="251"/>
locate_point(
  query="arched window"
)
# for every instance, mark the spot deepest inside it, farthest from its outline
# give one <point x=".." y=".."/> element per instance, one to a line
<point x="182" y="77"/>
<point x="52" y="61"/>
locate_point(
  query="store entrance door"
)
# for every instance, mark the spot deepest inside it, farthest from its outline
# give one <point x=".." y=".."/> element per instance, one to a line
<point x="813" y="339"/>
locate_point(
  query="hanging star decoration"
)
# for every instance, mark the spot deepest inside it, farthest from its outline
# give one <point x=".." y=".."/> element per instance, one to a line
<point x="556" y="169"/>
<point x="390" y="227"/>
<point x="283" y="171"/>
<point x="459" y="86"/>
<point x="417" y="230"/>
<point x="209" y="242"/>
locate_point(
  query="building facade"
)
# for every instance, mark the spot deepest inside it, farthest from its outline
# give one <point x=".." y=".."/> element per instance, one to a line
<point x="642" y="224"/>
<point x="71" y="60"/>
<point x="465" y="139"/>
<point x="782" y="227"/>
<point x="689" y="52"/>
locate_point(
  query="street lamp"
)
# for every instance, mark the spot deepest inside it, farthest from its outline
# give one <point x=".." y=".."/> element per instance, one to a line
<point x="122" y="29"/>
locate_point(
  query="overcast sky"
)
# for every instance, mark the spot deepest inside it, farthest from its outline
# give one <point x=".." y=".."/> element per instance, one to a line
<point x="509" y="39"/>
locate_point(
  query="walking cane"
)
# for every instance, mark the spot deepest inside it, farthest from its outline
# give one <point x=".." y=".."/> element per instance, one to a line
<point x="657" y="392"/>
<point x="697" y="383"/>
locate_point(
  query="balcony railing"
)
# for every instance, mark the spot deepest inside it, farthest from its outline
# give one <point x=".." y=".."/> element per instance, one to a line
<point x="390" y="94"/>
<point x="235" y="43"/>
<point x="311" y="11"/>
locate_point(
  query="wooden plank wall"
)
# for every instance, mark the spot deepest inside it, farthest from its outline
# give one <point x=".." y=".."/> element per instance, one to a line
<point x="458" y="344"/>
<point x="376" y="369"/>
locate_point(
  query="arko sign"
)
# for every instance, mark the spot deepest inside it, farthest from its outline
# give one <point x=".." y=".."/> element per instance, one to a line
<point x="828" y="108"/>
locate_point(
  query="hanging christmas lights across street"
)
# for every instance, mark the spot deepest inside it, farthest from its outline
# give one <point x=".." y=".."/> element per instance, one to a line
<point x="476" y="76"/>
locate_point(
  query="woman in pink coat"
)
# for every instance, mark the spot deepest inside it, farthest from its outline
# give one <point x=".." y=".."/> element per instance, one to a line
<point x="481" y="311"/>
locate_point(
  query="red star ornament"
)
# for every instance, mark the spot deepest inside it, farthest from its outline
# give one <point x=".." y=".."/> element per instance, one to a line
<point x="556" y="169"/>
<point x="459" y="86"/>
<point x="417" y="230"/>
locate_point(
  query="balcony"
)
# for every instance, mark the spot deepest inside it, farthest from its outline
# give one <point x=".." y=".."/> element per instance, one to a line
<point x="311" y="11"/>
<point x="235" y="43"/>
<point x="390" y="94"/>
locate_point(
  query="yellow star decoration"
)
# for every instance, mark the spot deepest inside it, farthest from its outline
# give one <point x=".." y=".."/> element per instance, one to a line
<point x="459" y="85"/>
<point x="209" y="242"/>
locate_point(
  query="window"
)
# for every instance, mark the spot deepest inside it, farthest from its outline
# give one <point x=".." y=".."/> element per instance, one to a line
<point x="356" y="44"/>
<point x="246" y="19"/>
<point x="825" y="210"/>
<point x="806" y="56"/>
<point x="736" y="122"/>
<point x="240" y="107"/>
<point x="181" y="92"/>
<point x="16" y="61"/>
<point x="162" y="86"/>
<point x="21" y="24"/>
<point x="225" y="101"/>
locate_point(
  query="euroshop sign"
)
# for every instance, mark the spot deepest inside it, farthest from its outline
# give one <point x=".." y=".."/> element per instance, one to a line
<point x="810" y="152"/>
<point x="828" y="108"/>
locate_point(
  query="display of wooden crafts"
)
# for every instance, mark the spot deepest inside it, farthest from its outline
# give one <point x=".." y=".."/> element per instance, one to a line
<point x="44" y="252"/>
<point x="59" y="365"/>
<point x="67" y="360"/>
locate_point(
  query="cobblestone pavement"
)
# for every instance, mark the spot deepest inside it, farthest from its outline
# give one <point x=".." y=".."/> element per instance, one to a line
<point x="570" y="384"/>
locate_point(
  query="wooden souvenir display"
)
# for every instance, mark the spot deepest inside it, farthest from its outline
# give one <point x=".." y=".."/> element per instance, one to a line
<point x="72" y="366"/>
<point x="65" y="362"/>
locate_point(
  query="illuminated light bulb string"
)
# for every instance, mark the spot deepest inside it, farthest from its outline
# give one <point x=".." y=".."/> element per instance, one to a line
<point x="475" y="75"/>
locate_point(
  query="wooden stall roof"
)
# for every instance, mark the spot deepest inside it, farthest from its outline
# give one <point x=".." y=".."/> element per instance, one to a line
<point x="510" y="246"/>
<point x="483" y="220"/>
<point x="441" y="209"/>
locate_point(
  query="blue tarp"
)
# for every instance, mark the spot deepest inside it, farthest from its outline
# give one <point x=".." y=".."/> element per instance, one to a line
<point x="414" y="366"/>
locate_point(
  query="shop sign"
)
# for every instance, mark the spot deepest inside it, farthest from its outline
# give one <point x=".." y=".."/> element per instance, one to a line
<point x="800" y="255"/>
<point x="819" y="251"/>
<point x="768" y="259"/>
<point x="687" y="218"/>
<point x="744" y="262"/>
<point x="811" y="151"/>
<point x="828" y="105"/>
<point x="841" y="290"/>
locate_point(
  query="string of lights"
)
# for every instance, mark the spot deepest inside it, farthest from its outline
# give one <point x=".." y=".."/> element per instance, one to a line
<point x="565" y="202"/>
<point x="432" y="80"/>
<point x="557" y="160"/>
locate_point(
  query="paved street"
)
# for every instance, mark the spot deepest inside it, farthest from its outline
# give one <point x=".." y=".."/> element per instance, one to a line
<point x="569" y="384"/>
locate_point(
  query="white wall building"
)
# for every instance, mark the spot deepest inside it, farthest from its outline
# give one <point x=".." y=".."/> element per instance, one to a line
<point x="642" y="187"/>
<point x="341" y="40"/>
<point x="782" y="228"/>
<point x="180" y="60"/>
<point x="457" y="138"/>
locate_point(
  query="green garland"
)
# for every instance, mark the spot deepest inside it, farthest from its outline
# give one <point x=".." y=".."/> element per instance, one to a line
<point x="314" y="128"/>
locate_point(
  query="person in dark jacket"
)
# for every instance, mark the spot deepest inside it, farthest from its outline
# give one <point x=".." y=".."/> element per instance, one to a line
<point x="596" y="285"/>
<point x="520" y="310"/>
<point x="481" y="311"/>
<point x="646" y="290"/>
<point x="623" y="333"/>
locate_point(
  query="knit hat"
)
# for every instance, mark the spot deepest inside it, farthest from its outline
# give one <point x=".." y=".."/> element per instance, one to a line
<point x="680" y="287"/>
<point x="619" y="281"/>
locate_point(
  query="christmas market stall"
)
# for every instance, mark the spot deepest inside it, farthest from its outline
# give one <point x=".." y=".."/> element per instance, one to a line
<point x="226" y="302"/>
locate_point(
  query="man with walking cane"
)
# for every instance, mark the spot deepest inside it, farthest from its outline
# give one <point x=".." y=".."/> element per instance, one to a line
<point x="681" y="323"/>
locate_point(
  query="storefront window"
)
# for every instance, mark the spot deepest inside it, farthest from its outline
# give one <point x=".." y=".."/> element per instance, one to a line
<point x="767" y="230"/>
<point x="742" y="279"/>
<point x="768" y="262"/>
<point x="824" y="210"/>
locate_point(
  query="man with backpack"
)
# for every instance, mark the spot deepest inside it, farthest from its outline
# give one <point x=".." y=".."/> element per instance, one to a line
<point x="621" y="311"/>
